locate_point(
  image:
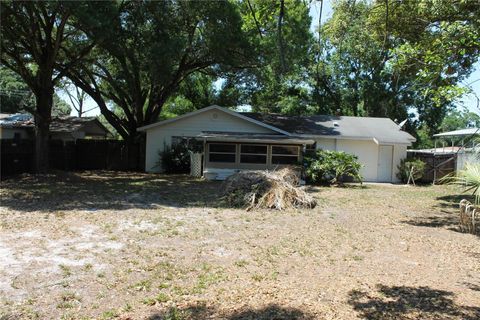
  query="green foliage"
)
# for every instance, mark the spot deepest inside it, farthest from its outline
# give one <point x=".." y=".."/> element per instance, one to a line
<point x="414" y="166"/>
<point x="60" y="107"/>
<point x="150" y="49"/>
<point x="176" y="158"/>
<point x="332" y="167"/>
<point x="16" y="96"/>
<point x="424" y="138"/>
<point x="385" y="58"/>
<point x="460" y="119"/>
<point x="280" y="69"/>
<point x="469" y="178"/>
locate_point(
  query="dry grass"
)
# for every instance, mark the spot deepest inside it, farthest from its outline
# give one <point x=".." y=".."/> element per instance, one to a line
<point x="107" y="245"/>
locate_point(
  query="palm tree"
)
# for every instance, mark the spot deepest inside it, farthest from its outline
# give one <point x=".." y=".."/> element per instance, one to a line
<point x="469" y="178"/>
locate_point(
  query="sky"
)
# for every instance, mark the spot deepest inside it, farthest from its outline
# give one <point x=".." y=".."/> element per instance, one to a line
<point x="473" y="81"/>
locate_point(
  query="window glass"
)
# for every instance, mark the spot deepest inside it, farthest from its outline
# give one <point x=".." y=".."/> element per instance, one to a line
<point x="293" y="150"/>
<point x="253" y="153"/>
<point x="217" y="147"/>
<point x="253" y="158"/>
<point x="221" y="157"/>
<point x="253" y="148"/>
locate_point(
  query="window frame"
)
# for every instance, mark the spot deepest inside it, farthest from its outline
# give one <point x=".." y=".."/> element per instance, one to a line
<point x="253" y="154"/>
<point x="218" y="152"/>
<point x="284" y="155"/>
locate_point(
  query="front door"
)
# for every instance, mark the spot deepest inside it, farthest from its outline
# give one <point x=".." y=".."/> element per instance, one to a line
<point x="385" y="159"/>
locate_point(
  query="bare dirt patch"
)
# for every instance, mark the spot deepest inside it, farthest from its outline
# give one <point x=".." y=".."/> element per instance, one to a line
<point x="107" y="245"/>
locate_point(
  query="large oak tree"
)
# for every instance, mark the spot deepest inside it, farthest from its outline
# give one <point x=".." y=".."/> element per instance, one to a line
<point x="36" y="39"/>
<point x="152" y="47"/>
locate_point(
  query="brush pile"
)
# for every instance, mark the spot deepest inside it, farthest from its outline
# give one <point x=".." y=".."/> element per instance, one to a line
<point x="266" y="189"/>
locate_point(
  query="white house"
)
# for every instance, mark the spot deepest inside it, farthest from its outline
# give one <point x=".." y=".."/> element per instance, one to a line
<point x="242" y="140"/>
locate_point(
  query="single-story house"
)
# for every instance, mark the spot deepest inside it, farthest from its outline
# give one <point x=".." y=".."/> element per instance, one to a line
<point x="22" y="126"/>
<point x="251" y="141"/>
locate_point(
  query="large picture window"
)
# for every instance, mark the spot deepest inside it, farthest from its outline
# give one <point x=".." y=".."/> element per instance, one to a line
<point x="285" y="154"/>
<point x="222" y="152"/>
<point x="253" y="153"/>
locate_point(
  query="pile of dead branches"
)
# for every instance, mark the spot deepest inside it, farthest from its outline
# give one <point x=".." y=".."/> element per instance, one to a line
<point x="266" y="189"/>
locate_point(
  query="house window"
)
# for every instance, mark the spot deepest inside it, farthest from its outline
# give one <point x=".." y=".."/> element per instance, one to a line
<point x="222" y="152"/>
<point x="310" y="149"/>
<point x="285" y="154"/>
<point x="253" y="153"/>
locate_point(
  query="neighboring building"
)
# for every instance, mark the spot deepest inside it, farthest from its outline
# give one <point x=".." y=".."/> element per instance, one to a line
<point x="250" y="141"/>
<point x="22" y="126"/>
<point x="459" y="147"/>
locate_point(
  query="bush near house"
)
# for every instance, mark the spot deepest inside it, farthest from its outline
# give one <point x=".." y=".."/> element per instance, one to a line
<point x="415" y="166"/>
<point x="175" y="159"/>
<point x="332" y="167"/>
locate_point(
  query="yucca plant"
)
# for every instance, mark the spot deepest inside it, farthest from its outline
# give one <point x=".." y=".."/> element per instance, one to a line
<point x="469" y="178"/>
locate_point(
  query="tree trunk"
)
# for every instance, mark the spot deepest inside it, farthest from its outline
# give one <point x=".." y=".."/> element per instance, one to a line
<point x="42" y="129"/>
<point x="281" y="48"/>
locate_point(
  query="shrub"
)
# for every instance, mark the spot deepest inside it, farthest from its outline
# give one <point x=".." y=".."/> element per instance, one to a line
<point x="469" y="178"/>
<point x="406" y="166"/>
<point x="332" y="167"/>
<point x="175" y="159"/>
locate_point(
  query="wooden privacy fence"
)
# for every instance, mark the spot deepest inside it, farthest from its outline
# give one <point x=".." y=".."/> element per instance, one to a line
<point x="18" y="156"/>
<point x="437" y="165"/>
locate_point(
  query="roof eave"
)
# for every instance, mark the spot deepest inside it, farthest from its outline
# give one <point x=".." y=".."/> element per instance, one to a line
<point x="233" y="113"/>
<point x="342" y="137"/>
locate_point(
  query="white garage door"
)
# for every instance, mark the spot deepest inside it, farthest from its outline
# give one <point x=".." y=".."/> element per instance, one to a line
<point x="385" y="159"/>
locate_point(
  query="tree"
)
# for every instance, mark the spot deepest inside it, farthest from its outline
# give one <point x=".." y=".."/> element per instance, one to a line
<point x="36" y="40"/>
<point x="389" y="58"/>
<point x="460" y="119"/>
<point x="153" y="47"/>
<point x="195" y="92"/>
<point x="16" y="97"/>
<point x="279" y="32"/>
<point x="76" y="96"/>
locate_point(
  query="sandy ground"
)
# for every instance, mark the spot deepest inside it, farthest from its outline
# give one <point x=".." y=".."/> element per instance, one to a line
<point x="107" y="245"/>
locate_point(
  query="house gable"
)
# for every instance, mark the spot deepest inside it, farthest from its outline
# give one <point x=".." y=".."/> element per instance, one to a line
<point x="215" y="118"/>
<point x="212" y="119"/>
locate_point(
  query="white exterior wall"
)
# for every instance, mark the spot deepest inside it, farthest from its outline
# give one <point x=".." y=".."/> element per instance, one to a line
<point x="158" y="137"/>
<point x="367" y="153"/>
<point x="326" y="144"/>
<point x="399" y="153"/>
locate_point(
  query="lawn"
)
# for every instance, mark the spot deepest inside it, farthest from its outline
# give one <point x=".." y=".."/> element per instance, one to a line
<point x="110" y="245"/>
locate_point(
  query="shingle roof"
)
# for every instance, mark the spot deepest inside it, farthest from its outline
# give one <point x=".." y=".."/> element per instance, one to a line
<point x="58" y="124"/>
<point x="383" y="130"/>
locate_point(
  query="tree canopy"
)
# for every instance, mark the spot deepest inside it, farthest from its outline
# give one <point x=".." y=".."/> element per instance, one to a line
<point x="37" y="39"/>
<point x="143" y="60"/>
<point x="152" y="48"/>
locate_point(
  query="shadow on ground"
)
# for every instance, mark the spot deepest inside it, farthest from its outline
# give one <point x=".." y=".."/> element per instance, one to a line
<point x="203" y="312"/>
<point x="444" y="214"/>
<point x="452" y="201"/>
<point x="401" y="302"/>
<point x="93" y="190"/>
